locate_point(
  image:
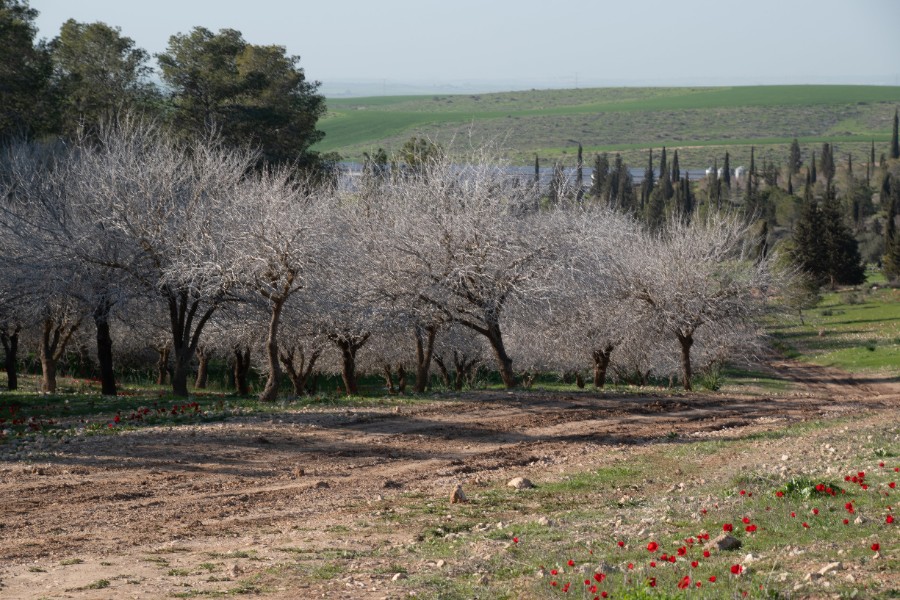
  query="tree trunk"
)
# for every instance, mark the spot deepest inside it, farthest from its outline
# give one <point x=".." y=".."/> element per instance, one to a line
<point x="203" y="356"/>
<point x="445" y="374"/>
<point x="601" y="364"/>
<point x="273" y="382"/>
<point x="105" y="358"/>
<point x="686" y="342"/>
<point x="388" y="377"/>
<point x="424" y="351"/>
<point x="299" y="374"/>
<point x="504" y="362"/>
<point x="241" y="370"/>
<point x="104" y="348"/>
<point x="348" y="367"/>
<point x="54" y="337"/>
<point x="162" y="365"/>
<point x="11" y="349"/>
<point x="181" y="369"/>
<point x="401" y="378"/>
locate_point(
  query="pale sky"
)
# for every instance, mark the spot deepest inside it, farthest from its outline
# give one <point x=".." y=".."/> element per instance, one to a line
<point x="514" y="44"/>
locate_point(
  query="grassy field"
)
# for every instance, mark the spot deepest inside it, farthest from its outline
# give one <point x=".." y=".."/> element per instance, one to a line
<point x="856" y="330"/>
<point x="701" y="122"/>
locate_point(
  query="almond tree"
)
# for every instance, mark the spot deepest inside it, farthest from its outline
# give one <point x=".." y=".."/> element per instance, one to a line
<point x="158" y="206"/>
<point x="701" y="280"/>
<point x="277" y="226"/>
<point x="463" y="241"/>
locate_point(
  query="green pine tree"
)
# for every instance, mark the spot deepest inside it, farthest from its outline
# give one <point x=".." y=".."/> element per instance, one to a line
<point x="599" y="175"/>
<point x="891" y="260"/>
<point x="826" y="163"/>
<point x="676" y="170"/>
<point x="726" y="171"/>
<point x="808" y="252"/>
<point x="812" y="168"/>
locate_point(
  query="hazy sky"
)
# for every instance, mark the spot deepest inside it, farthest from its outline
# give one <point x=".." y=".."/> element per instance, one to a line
<point x="531" y="43"/>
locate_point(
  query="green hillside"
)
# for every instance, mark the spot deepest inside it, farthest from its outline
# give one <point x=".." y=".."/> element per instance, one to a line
<point x="703" y="122"/>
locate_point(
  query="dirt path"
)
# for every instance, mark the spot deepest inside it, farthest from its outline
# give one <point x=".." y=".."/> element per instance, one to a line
<point x="197" y="508"/>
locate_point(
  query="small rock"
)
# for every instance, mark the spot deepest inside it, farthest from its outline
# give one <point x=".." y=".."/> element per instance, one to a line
<point x="860" y="520"/>
<point x="751" y="558"/>
<point x="399" y="576"/>
<point x="812" y="577"/>
<point x="724" y="542"/>
<point x="831" y="568"/>
<point x="391" y="484"/>
<point x="298" y="471"/>
<point x="262" y="440"/>
<point x="458" y="496"/>
<point x="322" y="485"/>
<point x="235" y="570"/>
<point x="545" y="522"/>
<point x="520" y="483"/>
<point x="440" y="564"/>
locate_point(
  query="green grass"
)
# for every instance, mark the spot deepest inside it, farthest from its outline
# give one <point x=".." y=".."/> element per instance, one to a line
<point x="701" y="122"/>
<point x="857" y="330"/>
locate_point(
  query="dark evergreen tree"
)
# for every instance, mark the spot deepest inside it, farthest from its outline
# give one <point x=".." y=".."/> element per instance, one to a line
<point x="663" y="162"/>
<point x="726" y="171"/>
<point x="579" y="174"/>
<point x="27" y="103"/>
<point x="625" y="193"/>
<point x="826" y="163"/>
<point x="648" y="184"/>
<point x="687" y="197"/>
<point x="537" y="170"/>
<point x="676" y="170"/>
<point x="790" y="186"/>
<point x="895" y="142"/>
<point x="714" y="187"/>
<point x="850" y="165"/>
<point x="808" y="252"/>
<point x="870" y="168"/>
<point x="891" y="259"/>
<point x="556" y="193"/>
<point x="599" y="175"/>
<point x="750" y="190"/>
<point x="655" y="213"/>
<point x="795" y="161"/>
<point x="612" y="185"/>
<point x="812" y="168"/>
<point x="842" y="259"/>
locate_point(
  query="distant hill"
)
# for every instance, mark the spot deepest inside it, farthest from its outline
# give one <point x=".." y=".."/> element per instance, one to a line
<point x="702" y="122"/>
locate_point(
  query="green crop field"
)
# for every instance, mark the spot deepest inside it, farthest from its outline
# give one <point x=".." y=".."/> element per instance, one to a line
<point x="701" y="122"/>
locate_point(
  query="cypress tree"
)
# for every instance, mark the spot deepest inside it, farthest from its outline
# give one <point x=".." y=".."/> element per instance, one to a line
<point x="626" y="187"/>
<point x="579" y="174"/>
<point x="663" y="166"/>
<point x="895" y="142"/>
<point x="713" y="189"/>
<point x="826" y="163"/>
<point x="648" y="183"/>
<point x="790" y="188"/>
<point x="599" y="175"/>
<point x="795" y="162"/>
<point x="726" y="171"/>
<point x="676" y="170"/>
<point x="843" y="263"/>
<point x="812" y="168"/>
<point x="612" y="191"/>
<point x="891" y="259"/>
<point x="751" y="180"/>
<point x="808" y="252"/>
<point x="687" y="199"/>
<point x="849" y="165"/>
<point x="537" y="170"/>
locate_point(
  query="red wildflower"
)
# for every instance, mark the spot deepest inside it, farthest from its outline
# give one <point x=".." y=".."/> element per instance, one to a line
<point x="652" y="546"/>
<point x="554" y="572"/>
<point x="727" y="527"/>
<point x="566" y="588"/>
<point x="849" y="507"/>
<point x="652" y="582"/>
<point x="712" y="578"/>
<point x="736" y="569"/>
<point x="805" y="524"/>
<point x="706" y="554"/>
<point x="750" y="528"/>
<point x="682" y="551"/>
<point x="875" y="547"/>
<point x="652" y="563"/>
<point x="599" y="577"/>
<point x="515" y="540"/>
<point x="892" y="484"/>
<point x="604" y="595"/>
<point x="743" y="492"/>
<point x="881" y="464"/>
<point x="815" y="511"/>
<point x="745" y="520"/>
<point x="780" y="494"/>
<point x="621" y="544"/>
<point x="846" y="521"/>
<point x="695" y="564"/>
<point x="793" y="514"/>
<point x="630" y="566"/>
<point x="684" y="583"/>
<point x="889" y="519"/>
<point x="571" y="563"/>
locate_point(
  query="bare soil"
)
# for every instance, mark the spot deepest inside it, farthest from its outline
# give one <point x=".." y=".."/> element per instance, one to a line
<point x="199" y="509"/>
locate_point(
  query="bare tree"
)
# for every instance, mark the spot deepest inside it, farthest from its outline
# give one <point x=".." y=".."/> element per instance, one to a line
<point x="701" y="279"/>
<point x="463" y="241"/>
<point x="157" y="206"/>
